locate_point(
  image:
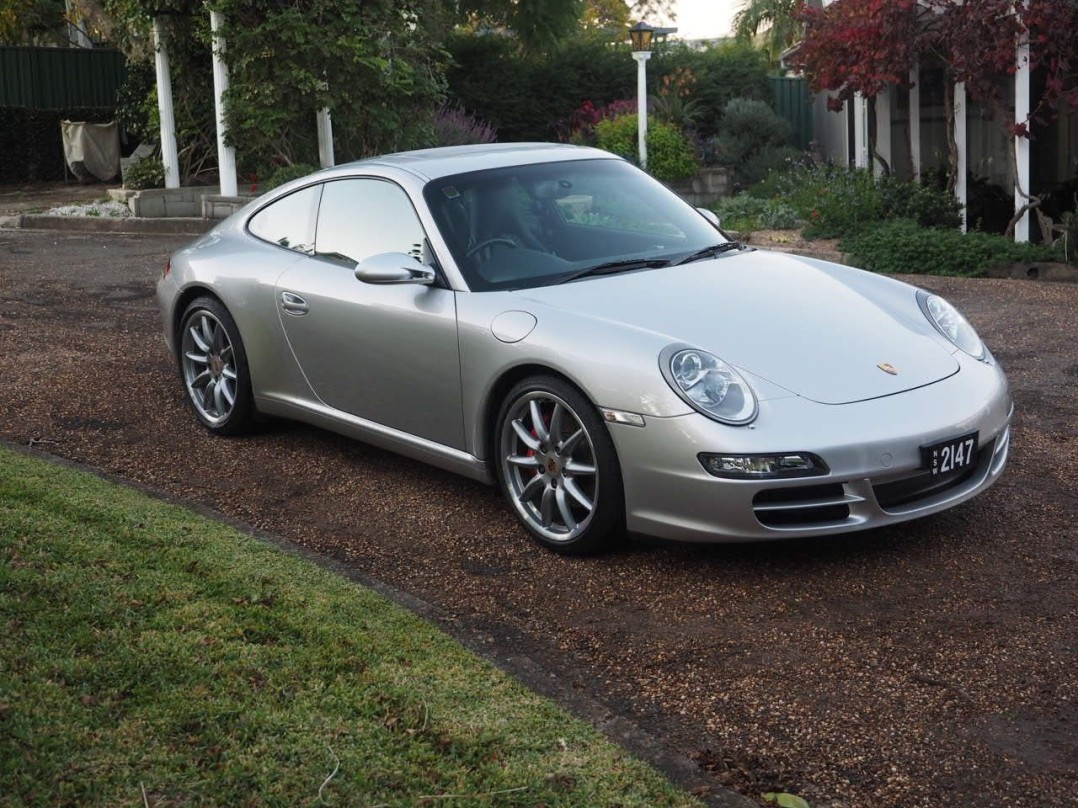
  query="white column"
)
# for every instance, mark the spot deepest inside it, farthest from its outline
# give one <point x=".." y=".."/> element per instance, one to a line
<point x="915" y="121"/>
<point x="860" y="139"/>
<point x="1021" y="144"/>
<point x="642" y="105"/>
<point x="963" y="148"/>
<point x="226" y="155"/>
<point x="169" y="153"/>
<point x="883" y="132"/>
<point x="325" y="138"/>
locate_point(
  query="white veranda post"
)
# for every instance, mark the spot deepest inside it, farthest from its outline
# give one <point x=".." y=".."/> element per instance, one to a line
<point x="325" y="138"/>
<point x="226" y="155"/>
<point x="642" y="105"/>
<point x="169" y="153"/>
<point x="963" y="149"/>
<point x="1021" y="144"/>
<point x="860" y="131"/>
<point x="915" y="121"/>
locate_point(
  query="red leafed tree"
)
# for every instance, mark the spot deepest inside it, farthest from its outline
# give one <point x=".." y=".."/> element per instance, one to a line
<point x="854" y="46"/>
<point x="859" y="46"/>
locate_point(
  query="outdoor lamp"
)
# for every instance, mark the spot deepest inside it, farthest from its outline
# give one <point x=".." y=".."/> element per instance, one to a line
<point x="641" y="35"/>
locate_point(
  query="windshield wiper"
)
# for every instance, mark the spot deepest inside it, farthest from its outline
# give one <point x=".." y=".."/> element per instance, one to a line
<point x="711" y="252"/>
<point x="610" y="267"/>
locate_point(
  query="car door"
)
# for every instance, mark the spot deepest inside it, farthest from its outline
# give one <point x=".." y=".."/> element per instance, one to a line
<point x="386" y="353"/>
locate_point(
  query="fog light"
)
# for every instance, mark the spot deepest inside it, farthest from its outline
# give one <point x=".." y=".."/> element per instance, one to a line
<point x="762" y="467"/>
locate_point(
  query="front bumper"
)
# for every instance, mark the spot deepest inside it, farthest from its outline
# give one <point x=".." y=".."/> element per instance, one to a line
<point x="872" y="448"/>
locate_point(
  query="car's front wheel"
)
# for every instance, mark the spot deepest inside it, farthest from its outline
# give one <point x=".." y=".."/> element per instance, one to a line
<point x="558" y="468"/>
<point x="213" y="366"/>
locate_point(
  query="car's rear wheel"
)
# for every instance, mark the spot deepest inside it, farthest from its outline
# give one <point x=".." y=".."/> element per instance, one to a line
<point x="558" y="468"/>
<point x="213" y="366"/>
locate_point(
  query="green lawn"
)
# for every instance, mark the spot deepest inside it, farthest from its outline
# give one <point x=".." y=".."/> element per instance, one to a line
<point x="149" y="656"/>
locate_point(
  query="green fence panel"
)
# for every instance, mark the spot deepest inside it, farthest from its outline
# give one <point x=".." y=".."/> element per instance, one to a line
<point x="59" y="78"/>
<point x="794" y="103"/>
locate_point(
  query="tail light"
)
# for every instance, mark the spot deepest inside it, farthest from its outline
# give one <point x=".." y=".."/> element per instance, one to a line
<point x="168" y="268"/>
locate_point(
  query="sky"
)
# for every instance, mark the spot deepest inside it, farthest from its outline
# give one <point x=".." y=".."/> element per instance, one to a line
<point x="704" y="19"/>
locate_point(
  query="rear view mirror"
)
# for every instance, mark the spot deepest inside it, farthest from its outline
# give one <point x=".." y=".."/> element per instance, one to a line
<point x="710" y="215"/>
<point x="391" y="268"/>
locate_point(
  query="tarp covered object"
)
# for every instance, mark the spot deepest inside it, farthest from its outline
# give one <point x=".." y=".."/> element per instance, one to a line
<point x="92" y="149"/>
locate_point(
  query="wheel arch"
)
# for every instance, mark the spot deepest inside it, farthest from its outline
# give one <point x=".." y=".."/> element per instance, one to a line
<point x="500" y="389"/>
<point x="184" y="299"/>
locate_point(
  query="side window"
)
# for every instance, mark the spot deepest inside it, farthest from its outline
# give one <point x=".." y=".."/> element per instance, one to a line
<point x="289" y="221"/>
<point x="364" y="217"/>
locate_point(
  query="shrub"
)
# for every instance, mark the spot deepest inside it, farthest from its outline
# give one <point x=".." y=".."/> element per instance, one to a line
<point x="146" y="173"/>
<point x="721" y="74"/>
<point x="834" y="201"/>
<point x="670" y="154"/>
<point x="988" y="206"/>
<point x="488" y="75"/>
<point x="753" y="139"/>
<point x="287" y="174"/>
<point x="904" y="246"/>
<point x="741" y="213"/>
<point x="924" y="204"/>
<point x="454" y="127"/>
<point x="747" y="126"/>
<point x="779" y="216"/>
<point x="746" y="213"/>
<point x="580" y="127"/>
<point x="674" y="103"/>
<point x="759" y="165"/>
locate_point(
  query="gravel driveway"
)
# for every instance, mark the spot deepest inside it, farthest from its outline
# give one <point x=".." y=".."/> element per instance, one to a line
<point x="934" y="663"/>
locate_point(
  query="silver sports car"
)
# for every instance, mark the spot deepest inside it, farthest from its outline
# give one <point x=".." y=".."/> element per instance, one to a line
<point x="552" y="320"/>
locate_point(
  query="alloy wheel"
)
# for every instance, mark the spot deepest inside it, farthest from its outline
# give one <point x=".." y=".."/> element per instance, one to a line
<point x="549" y="466"/>
<point x="209" y="367"/>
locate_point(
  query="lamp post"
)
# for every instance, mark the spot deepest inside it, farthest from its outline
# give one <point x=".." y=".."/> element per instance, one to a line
<point x="641" y="35"/>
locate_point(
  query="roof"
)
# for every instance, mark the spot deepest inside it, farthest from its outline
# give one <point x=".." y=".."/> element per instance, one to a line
<point x="441" y="162"/>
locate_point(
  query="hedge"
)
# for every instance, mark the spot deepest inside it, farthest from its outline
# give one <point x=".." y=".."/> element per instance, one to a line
<point x="531" y="96"/>
<point x="31" y="144"/>
<point x="904" y="246"/>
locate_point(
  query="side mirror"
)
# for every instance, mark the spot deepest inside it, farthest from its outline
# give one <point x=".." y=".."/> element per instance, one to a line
<point x="390" y="268"/>
<point x="710" y="215"/>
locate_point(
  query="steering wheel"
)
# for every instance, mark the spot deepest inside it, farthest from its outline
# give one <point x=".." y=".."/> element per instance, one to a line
<point x="491" y="242"/>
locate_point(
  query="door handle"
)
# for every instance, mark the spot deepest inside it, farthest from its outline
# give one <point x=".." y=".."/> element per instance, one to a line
<point x="294" y="304"/>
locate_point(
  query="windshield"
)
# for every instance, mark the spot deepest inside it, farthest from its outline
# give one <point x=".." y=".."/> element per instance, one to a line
<point x="534" y="225"/>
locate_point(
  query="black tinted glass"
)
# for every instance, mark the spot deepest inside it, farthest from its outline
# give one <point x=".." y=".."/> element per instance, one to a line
<point x="530" y="225"/>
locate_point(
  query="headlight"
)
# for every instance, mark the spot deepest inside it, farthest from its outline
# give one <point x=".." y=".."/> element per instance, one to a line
<point x="950" y="322"/>
<point x="708" y="384"/>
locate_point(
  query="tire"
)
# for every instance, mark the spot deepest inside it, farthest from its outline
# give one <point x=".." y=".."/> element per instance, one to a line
<point x="558" y="468"/>
<point x="213" y="368"/>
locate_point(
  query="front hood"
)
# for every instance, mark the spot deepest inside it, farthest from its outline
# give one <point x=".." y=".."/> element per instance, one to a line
<point x="777" y="316"/>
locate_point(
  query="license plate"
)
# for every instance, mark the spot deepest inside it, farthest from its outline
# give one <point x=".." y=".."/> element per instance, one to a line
<point x="950" y="455"/>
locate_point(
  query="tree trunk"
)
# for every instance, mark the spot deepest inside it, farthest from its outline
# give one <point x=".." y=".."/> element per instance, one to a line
<point x="873" y="126"/>
<point x="1003" y="116"/>
<point x="952" y="142"/>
